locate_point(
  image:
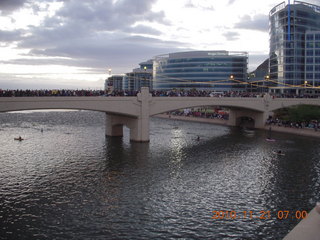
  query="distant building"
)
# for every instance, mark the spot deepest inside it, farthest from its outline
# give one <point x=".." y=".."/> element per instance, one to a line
<point x="114" y="83"/>
<point x="256" y="79"/>
<point x="294" y="46"/>
<point x="147" y="65"/>
<point x="216" y="70"/>
<point x="139" y="77"/>
<point x="312" y="73"/>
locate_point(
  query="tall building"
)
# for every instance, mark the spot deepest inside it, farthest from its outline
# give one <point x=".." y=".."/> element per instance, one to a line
<point x="294" y="46"/>
<point x="216" y="70"/>
<point x="139" y="77"/>
<point x="114" y="83"/>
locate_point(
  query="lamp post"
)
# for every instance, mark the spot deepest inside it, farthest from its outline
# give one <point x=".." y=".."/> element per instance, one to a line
<point x="266" y="78"/>
<point x="231" y="78"/>
<point x="109" y="70"/>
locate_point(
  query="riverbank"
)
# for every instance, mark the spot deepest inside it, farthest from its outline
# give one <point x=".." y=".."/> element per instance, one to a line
<point x="297" y="131"/>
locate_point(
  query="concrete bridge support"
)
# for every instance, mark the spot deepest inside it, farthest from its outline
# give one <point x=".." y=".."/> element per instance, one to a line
<point x="139" y="126"/>
<point x="258" y="117"/>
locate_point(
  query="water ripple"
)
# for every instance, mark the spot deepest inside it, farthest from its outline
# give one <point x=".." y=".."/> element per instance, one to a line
<point x="70" y="182"/>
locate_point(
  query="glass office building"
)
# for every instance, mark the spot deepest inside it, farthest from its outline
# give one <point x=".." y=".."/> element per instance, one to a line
<point x="294" y="46"/>
<point x="312" y="74"/>
<point x="216" y="70"/>
<point x="139" y="77"/>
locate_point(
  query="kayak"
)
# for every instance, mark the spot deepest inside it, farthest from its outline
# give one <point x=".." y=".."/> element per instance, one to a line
<point x="18" y="139"/>
<point x="280" y="154"/>
<point x="270" y="140"/>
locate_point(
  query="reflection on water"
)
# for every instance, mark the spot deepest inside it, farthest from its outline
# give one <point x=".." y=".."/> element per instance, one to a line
<point x="70" y="181"/>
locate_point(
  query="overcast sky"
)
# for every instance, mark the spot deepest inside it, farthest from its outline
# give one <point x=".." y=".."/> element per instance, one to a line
<point x="73" y="43"/>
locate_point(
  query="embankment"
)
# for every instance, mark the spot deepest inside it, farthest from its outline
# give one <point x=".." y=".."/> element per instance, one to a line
<point x="297" y="131"/>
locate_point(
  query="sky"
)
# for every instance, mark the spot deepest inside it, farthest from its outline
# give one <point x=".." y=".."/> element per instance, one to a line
<point x="73" y="43"/>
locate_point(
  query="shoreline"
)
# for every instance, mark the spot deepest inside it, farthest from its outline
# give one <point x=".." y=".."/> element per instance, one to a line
<point x="296" y="131"/>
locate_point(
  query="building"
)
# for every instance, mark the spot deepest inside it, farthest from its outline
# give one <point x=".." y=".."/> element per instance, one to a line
<point x="312" y="69"/>
<point x="139" y="77"/>
<point x="256" y="78"/>
<point x="294" y="47"/>
<point x="217" y="70"/>
<point x="114" y="83"/>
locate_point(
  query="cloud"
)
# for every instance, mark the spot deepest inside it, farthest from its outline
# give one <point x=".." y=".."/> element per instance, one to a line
<point x="199" y="6"/>
<point x="258" y="22"/>
<point x="231" y="36"/>
<point x="120" y="52"/>
<point x="231" y="2"/>
<point x="256" y="59"/>
<point x="10" y="36"/>
<point x="189" y="4"/>
<point x="8" y="6"/>
<point x="95" y="34"/>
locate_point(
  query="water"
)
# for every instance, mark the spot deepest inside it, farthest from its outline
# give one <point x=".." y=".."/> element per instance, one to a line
<point x="71" y="182"/>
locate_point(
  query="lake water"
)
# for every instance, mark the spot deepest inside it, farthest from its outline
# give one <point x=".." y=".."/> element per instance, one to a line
<point x="71" y="182"/>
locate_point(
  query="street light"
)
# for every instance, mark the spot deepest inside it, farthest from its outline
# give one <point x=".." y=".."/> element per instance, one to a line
<point x="109" y="71"/>
<point x="266" y="78"/>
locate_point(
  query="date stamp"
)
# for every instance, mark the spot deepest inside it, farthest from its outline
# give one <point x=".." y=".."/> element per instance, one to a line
<point x="262" y="215"/>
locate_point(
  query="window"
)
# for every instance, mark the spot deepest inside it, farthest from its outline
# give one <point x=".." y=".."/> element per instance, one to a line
<point x="317" y="36"/>
<point x="317" y="60"/>
<point x="317" y="44"/>
<point x="299" y="67"/>
<point x="289" y="75"/>
<point x="309" y="60"/>
<point x="300" y="44"/>
<point x="299" y="60"/>
<point x="309" y="68"/>
<point x="289" y="52"/>
<point x="309" y="75"/>
<point x="317" y="53"/>
<point x="299" y="52"/>
<point x="309" y="52"/>
<point x="309" y="37"/>
<point x="317" y="68"/>
<point x="310" y="45"/>
<point x="289" y="59"/>
<point x="289" y="67"/>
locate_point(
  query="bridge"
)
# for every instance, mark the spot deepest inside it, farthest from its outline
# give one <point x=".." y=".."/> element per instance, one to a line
<point x="135" y="112"/>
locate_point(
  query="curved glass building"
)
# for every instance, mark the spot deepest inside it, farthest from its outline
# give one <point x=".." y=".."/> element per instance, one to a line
<point x="294" y="46"/>
<point x="216" y="70"/>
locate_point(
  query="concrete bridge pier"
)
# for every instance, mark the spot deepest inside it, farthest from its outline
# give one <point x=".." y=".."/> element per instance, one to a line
<point x="114" y="125"/>
<point x="139" y="126"/>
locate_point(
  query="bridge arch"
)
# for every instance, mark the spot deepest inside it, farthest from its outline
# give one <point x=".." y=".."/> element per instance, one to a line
<point x="286" y="103"/>
<point x="124" y="107"/>
<point x="160" y="105"/>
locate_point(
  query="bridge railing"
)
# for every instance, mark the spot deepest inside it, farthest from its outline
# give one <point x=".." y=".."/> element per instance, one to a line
<point x="154" y="93"/>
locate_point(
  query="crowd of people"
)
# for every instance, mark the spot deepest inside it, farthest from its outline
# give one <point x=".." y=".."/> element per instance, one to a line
<point x="50" y="93"/>
<point x="314" y="124"/>
<point x="155" y="93"/>
<point x="202" y="113"/>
